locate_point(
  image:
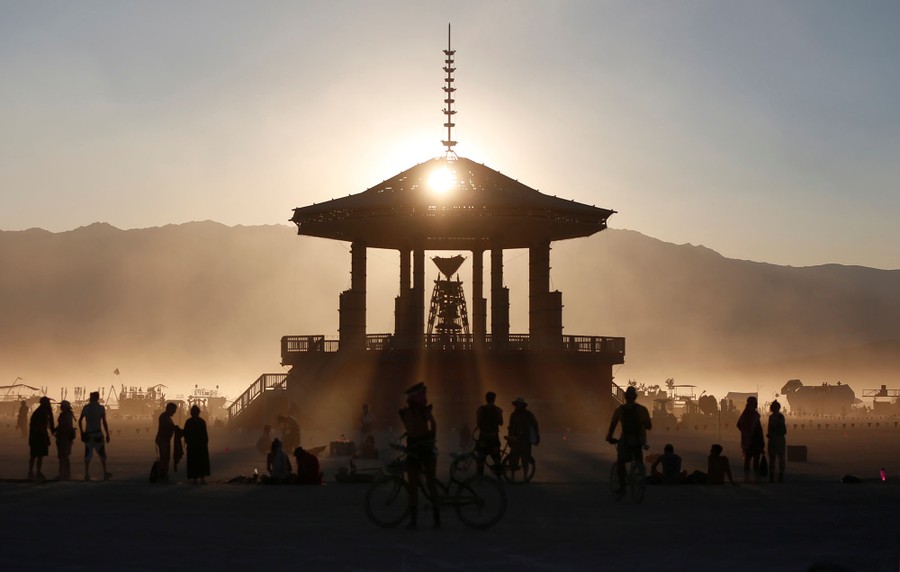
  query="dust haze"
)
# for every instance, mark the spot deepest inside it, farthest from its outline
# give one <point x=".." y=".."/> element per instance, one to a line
<point x="203" y="304"/>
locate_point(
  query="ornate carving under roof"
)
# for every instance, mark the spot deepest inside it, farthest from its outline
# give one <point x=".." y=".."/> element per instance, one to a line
<point x="450" y="204"/>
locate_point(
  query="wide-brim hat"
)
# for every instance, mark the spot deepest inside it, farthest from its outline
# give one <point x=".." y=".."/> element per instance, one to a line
<point x="519" y="401"/>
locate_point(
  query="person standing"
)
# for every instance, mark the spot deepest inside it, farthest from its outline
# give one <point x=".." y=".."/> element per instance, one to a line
<point x="65" y="437"/>
<point x="523" y="432"/>
<point x="39" y="430"/>
<point x="752" y="442"/>
<point x="290" y="432"/>
<point x="488" y="419"/>
<point x="421" y="441"/>
<point x="777" y="429"/>
<point x="635" y="420"/>
<point x="164" y="436"/>
<point x="22" y="419"/>
<point x="196" y="439"/>
<point x="92" y="424"/>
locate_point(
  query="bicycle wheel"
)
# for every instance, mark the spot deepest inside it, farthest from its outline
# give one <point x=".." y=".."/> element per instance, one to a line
<point x="637" y="480"/>
<point x="518" y="472"/>
<point x="387" y="501"/>
<point x="461" y="465"/>
<point x="480" y="501"/>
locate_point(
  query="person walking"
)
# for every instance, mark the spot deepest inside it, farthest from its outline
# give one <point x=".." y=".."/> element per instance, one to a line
<point x="777" y="429"/>
<point x="196" y="440"/>
<point x="39" y="430"/>
<point x="752" y="442"/>
<point x="65" y="437"/>
<point x="92" y="424"/>
<point x="22" y="419"/>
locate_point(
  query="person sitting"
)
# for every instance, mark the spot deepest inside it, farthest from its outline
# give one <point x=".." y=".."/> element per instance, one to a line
<point x="718" y="467"/>
<point x="308" y="472"/>
<point x="671" y="467"/>
<point x="278" y="464"/>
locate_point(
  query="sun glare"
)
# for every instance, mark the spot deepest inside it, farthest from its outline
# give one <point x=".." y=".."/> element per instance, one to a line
<point x="441" y="180"/>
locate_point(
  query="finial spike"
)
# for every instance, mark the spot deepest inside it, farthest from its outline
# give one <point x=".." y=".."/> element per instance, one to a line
<point x="449" y="68"/>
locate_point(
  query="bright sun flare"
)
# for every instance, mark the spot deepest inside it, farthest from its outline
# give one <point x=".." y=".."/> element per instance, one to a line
<point x="441" y="180"/>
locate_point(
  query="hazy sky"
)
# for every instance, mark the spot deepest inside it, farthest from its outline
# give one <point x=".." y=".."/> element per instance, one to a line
<point x="767" y="131"/>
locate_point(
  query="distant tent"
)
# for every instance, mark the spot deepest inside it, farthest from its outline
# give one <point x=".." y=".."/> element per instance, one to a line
<point x="739" y="399"/>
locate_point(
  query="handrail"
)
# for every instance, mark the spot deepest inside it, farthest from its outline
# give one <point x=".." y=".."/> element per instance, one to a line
<point x="384" y="342"/>
<point x="265" y="382"/>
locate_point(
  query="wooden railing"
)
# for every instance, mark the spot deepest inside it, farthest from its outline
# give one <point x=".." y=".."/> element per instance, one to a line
<point x="295" y="345"/>
<point x="265" y="382"/>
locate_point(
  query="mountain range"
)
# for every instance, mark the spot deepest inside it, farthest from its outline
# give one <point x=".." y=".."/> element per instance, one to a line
<point x="203" y="304"/>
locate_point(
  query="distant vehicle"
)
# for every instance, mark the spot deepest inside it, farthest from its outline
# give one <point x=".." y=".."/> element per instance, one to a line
<point x="884" y="401"/>
<point x="825" y="399"/>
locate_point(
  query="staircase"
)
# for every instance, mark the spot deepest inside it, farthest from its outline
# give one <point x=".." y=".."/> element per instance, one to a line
<point x="256" y="395"/>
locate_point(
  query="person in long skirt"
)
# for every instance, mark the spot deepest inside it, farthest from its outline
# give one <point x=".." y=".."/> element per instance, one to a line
<point x="196" y="439"/>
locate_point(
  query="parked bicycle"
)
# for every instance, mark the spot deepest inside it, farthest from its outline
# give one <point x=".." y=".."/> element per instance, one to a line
<point x="635" y="477"/>
<point x="478" y="500"/>
<point x="512" y="469"/>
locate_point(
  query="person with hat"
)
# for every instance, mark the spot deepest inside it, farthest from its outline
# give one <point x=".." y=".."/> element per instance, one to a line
<point x="65" y="437"/>
<point x="421" y="431"/>
<point x="488" y="420"/>
<point x="39" y="438"/>
<point x="522" y="433"/>
<point x="635" y="420"/>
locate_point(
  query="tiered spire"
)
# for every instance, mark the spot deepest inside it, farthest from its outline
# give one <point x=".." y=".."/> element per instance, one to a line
<point x="449" y="112"/>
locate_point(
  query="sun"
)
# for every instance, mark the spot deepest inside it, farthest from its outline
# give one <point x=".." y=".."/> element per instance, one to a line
<point x="441" y="180"/>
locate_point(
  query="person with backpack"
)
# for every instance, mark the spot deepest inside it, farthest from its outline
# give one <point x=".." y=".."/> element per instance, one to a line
<point x="635" y="420"/>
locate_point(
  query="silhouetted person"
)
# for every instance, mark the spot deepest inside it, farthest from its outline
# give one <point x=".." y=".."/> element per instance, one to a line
<point x="752" y="442"/>
<point x="522" y="433"/>
<point x="290" y="432"/>
<point x="308" y="472"/>
<point x="777" y="429"/>
<point x="164" y="437"/>
<point x="278" y="465"/>
<point x="488" y="419"/>
<point x="22" y="419"/>
<point x="635" y="420"/>
<point x="718" y="467"/>
<point x="671" y="473"/>
<point x="264" y="443"/>
<point x="65" y="437"/>
<point x="92" y="424"/>
<point x="39" y="429"/>
<point x="421" y="438"/>
<point x="196" y="440"/>
<point x="366" y="422"/>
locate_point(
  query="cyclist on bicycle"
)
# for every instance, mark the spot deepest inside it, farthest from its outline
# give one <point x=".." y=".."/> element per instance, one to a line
<point x="421" y="431"/>
<point x="488" y="419"/>
<point x="635" y="420"/>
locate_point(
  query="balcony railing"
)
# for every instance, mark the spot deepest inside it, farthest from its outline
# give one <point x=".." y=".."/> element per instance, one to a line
<point x="298" y="345"/>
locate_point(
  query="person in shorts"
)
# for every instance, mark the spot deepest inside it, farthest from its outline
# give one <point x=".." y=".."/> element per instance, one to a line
<point x="92" y="424"/>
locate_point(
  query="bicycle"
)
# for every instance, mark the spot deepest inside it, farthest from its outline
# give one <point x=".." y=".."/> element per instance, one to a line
<point x="635" y="477"/>
<point x="479" y="500"/>
<point x="513" y="471"/>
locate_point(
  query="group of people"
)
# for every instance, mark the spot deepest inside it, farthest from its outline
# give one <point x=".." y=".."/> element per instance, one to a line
<point x="41" y="427"/>
<point x="278" y="465"/>
<point x="522" y="432"/>
<point x="666" y="468"/>
<point x="169" y="439"/>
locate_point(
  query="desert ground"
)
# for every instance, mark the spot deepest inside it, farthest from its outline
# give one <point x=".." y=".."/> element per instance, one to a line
<point x="566" y="519"/>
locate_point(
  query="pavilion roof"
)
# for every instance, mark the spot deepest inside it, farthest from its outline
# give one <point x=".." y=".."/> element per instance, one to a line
<point x="482" y="206"/>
